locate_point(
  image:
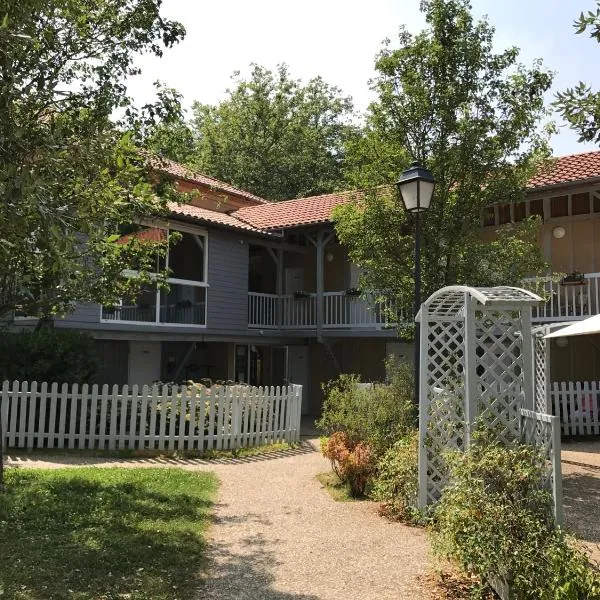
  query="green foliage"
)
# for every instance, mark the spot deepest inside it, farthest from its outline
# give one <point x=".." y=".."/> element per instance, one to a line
<point x="472" y="116"/>
<point x="69" y="175"/>
<point x="48" y="354"/>
<point x="378" y="416"/>
<point x="579" y="105"/>
<point x="495" y="520"/>
<point x="95" y="533"/>
<point x="395" y="485"/>
<point x="274" y="136"/>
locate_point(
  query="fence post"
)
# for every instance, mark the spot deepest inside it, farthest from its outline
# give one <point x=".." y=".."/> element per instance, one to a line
<point x="557" y="471"/>
<point x="3" y="427"/>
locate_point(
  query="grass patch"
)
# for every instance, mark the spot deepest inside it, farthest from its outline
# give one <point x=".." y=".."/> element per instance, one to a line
<point x="133" y="453"/>
<point x="103" y="533"/>
<point x="339" y="491"/>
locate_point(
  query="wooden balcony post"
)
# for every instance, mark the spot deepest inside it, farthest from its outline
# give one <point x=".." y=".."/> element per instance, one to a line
<point x="280" y="287"/>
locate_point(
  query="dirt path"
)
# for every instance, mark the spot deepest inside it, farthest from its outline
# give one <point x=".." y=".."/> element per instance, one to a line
<point x="279" y="536"/>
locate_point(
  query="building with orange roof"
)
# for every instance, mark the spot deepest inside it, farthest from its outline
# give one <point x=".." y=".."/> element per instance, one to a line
<point x="263" y="293"/>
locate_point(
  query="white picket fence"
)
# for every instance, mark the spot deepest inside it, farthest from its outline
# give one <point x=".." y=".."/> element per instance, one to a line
<point x="577" y="404"/>
<point x="150" y="417"/>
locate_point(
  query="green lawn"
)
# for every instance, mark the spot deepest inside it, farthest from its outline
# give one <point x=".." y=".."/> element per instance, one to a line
<point x="105" y="534"/>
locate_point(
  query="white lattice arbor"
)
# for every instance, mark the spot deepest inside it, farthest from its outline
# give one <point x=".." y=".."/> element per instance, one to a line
<point x="476" y="363"/>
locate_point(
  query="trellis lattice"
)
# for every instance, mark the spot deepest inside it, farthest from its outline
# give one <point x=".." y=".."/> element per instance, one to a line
<point x="540" y="368"/>
<point x="476" y="366"/>
<point x="543" y="431"/>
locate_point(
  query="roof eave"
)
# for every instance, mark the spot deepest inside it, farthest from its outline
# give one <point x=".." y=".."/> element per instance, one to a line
<point x="578" y="182"/>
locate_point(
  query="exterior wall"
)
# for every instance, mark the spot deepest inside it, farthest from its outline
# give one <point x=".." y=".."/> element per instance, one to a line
<point x="114" y="361"/>
<point x="204" y="197"/>
<point x="227" y="295"/>
<point x="579" y="248"/>
<point x="182" y="361"/>
<point x="579" y="360"/>
<point x="365" y="357"/>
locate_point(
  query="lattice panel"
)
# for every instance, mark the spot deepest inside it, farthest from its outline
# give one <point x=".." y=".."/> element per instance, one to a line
<point x="499" y="368"/>
<point x="445" y="393"/>
<point x="542" y="430"/>
<point x="539" y="373"/>
<point x="445" y="431"/>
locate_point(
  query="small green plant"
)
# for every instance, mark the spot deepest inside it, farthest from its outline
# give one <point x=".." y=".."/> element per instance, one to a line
<point x="495" y="519"/>
<point x="378" y="416"/>
<point x="395" y="485"/>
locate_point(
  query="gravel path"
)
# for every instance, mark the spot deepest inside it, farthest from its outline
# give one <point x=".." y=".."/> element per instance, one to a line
<point x="279" y="536"/>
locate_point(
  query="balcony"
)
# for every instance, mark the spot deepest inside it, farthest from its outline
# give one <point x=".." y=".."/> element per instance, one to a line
<point x="340" y="311"/>
<point x="565" y="302"/>
<point x="181" y="305"/>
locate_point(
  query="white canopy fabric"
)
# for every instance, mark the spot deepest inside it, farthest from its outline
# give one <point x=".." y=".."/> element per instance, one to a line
<point x="585" y="327"/>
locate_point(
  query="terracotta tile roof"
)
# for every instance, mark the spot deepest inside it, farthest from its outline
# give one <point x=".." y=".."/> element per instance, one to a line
<point x="292" y="213"/>
<point x="170" y="167"/>
<point x="568" y="169"/>
<point x="152" y="234"/>
<point x="209" y="216"/>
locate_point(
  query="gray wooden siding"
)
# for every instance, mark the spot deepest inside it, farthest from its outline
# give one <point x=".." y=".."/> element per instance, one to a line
<point x="227" y="296"/>
<point x="83" y="316"/>
<point x="228" y="281"/>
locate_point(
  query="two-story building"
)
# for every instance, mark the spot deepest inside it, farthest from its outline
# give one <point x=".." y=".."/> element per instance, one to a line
<point x="567" y="198"/>
<point x="263" y="293"/>
<point x="259" y="292"/>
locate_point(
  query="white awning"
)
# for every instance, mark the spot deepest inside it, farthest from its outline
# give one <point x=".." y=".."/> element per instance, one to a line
<point x="585" y="327"/>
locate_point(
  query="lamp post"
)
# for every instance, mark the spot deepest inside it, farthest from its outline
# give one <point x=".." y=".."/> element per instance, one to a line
<point x="416" y="189"/>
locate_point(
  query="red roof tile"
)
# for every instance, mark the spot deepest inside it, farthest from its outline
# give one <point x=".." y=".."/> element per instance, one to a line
<point x="568" y="169"/>
<point x="317" y="209"/>
<point x="209" y="216"/>
<point x="170" y="167"/>
<point x="292" y="213"/>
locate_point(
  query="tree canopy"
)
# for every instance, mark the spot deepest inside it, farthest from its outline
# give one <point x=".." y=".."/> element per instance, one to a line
<point x="579" y="105"/>
<point x="472" y="116"/>
<point x="273" y="135"/>
<point x="69" y="174"/>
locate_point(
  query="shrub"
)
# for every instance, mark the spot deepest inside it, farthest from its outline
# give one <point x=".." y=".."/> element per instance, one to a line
<point x="52" y="355"/>
<point x="395" y="485"/>
<point x="379" y="415"/>
<point x="353" y="462"/>
<point x="496" y="521"/>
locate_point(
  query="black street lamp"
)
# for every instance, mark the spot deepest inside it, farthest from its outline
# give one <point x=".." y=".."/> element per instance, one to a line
<point x="416" y="189"/>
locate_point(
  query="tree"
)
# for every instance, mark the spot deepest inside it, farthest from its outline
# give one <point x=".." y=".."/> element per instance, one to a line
<point x="274" y="136"/>
<point x="579" y="105"/>
<point x="67" y="172"/>
<point x="69" y="175"/>
<point x="471" y="115"/>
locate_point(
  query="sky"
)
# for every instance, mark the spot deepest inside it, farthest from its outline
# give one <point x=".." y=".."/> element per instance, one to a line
<point x="338" y="39"/>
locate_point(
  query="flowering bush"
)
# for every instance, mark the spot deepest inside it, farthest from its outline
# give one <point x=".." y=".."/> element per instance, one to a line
<point x="353" y="462"/>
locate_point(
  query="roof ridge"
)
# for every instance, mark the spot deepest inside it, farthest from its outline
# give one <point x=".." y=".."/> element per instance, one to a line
<point x="576" y="154"/>
<point x="155" y="161"/>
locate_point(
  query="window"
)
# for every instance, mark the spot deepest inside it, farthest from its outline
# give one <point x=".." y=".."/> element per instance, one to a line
<point x="559" y="206"/>
<point x="580" y="204"/>
<point x="520" y="209"/>
<point x="504" y="214"/>
<point x="184" y="302"/>
<point x="489" y="216"/>
<point x="536" y="208"/>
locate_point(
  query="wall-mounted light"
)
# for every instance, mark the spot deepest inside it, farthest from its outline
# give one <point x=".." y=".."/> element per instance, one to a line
<point x="562" y="342"/>
<point x="329" y="257"/>
<point x="559" y="232"/>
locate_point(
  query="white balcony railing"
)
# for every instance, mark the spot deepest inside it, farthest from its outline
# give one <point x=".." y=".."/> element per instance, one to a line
<point x="565" y="302"/>
<point x="340" y="311"/>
